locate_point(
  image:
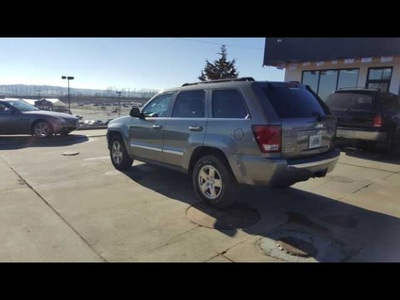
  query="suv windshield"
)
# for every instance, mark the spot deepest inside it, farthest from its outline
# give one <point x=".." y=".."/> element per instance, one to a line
<point x="22" y="106"/>
<point x="354" y="101"/>
<point x="292" y="101"/>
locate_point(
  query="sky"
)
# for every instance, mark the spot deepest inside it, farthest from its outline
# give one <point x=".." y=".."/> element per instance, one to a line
<point x="125" y="63"/>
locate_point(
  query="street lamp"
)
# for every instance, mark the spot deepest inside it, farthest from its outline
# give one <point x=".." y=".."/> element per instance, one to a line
<point x="119" y="103"/>
<point x="69" y="99"/>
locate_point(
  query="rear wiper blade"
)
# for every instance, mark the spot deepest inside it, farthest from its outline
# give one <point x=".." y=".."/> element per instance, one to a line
<point x="319" y="116"/>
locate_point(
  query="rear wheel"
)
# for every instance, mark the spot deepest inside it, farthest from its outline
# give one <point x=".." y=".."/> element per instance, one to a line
<point x="214" y="182"/>
<point x="283" y="185"/>
<point x="119" y="156"/>
<point x="42" y="129"/>
<point x="389" y="144"/>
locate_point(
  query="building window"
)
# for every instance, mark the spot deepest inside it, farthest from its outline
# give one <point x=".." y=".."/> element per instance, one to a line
<point x="348" y="78"/>
<point x="311" y="78"/>
<point x="379" y="78"/>
<point x="327" y="83"/>
<point x="324" y="82"/>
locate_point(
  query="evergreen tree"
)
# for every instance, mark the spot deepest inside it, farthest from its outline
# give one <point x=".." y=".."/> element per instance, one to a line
<point x="220" y="69"/>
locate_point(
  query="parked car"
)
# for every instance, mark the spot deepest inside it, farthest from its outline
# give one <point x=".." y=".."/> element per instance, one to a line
<point x="230" y="132"/>
<point x="366" y="118"/>
<point x="18" y="117"/>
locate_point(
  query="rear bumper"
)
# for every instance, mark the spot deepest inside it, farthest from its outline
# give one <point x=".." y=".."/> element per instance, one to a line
<point x="256" y="170"/>
<point x="374" y="135"/>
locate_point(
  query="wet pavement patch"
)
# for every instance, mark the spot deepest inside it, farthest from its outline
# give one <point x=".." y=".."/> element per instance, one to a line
<point x="239" y="216"/>
<point x="70" y="153"/>
<point x="296" y="246"/>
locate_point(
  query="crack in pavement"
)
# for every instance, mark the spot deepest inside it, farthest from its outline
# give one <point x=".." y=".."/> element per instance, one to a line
<point x="54" y="210"/>
<point x="172" y="239"/>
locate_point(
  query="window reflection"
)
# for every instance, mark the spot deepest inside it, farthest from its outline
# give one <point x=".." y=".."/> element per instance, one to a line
<point x="327" y="83"/>
<point x="311" y="78"/>
<point x="347" y="78"/>
<point x="380" y="73"/>
<point x="379" y="78"/>
<point x="324" y="82"/>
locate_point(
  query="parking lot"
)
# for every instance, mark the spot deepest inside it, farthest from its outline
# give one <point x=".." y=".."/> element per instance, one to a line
<point x="62" y="200"/>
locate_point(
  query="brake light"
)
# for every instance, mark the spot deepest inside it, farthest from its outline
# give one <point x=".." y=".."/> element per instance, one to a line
<point x="269" y="138"/>
<point x="378" y="122"/>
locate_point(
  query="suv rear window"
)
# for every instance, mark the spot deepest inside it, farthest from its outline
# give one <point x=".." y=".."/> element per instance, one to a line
<point x="356" y="101"/>
<point x="293" y="102"/>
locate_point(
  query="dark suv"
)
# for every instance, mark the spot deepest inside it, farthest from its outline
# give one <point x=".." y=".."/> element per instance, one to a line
<point x="366" y="118"/>
<point x="229" y="132"/>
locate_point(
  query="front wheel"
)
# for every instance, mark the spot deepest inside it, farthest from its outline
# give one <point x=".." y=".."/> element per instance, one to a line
<point x="119" y="156"/>
<point x="214" y="183"/>
<point x="42" y="129"/>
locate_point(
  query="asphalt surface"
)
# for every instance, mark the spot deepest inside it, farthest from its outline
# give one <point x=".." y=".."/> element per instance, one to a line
<point x="61" y="200"/>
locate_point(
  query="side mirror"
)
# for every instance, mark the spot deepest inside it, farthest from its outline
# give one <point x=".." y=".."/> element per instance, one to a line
<point x="135" y="113"/>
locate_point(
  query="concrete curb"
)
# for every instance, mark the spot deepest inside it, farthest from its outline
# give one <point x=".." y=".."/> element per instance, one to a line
<point x="91" y="128"/>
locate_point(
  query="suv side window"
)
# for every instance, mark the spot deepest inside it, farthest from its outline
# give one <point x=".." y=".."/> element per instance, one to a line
<point x="390" y="103"/>
<point x="189" y="104"/>
<point x="228" y="104"/>
<point x="158" y="107"/>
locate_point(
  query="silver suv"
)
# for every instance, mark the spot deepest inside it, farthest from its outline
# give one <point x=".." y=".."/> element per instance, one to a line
<point x="230" y="132"/>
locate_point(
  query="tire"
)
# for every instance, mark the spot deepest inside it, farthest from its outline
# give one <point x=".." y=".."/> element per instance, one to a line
<point x="118" y="154"/>
<point x="389" y="145"/>
<point x="42" y="129"/>
<point x="282" y="185"/>
<point x="214" y="182"/>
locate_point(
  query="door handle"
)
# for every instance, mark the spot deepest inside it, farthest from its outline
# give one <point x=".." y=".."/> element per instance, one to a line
<point x="195" y="128"/>
<point x="157" y="126"/>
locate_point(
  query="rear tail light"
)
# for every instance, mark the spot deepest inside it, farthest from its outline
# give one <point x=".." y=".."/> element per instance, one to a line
<point x="269" y="138"/>
<point x="378" y="122"/>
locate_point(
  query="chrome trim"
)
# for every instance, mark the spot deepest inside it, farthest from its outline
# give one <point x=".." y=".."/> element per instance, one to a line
<point x="314" y="164"/>
<point x="359" y="134"/>
<point x="173" y="152"/>
<point x="146" y="147"/>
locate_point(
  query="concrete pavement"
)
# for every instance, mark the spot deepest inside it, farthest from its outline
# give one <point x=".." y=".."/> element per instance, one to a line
<point x="79" y="208"/>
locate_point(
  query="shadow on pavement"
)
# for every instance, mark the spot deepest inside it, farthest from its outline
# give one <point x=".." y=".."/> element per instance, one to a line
<point x="338" y="231"/>
<point x="19" y="141"/>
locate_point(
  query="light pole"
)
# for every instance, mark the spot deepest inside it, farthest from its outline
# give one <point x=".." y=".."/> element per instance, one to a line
<point x="69" y="99"/>
<point x="38" y="91"/>
<point x="119" y="103"/>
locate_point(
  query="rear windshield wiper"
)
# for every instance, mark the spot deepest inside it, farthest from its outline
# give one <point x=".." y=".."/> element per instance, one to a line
<point x="319" y="116"/>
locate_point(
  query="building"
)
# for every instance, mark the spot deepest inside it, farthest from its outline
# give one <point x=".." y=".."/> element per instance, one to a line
<point x="328" y="64"/>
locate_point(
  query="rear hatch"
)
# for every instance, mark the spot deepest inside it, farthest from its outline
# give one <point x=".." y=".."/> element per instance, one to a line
<point x="308" y="127"/>
<point x="353" y="109"/>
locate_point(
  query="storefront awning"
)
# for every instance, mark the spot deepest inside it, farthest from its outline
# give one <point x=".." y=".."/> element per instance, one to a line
<point x="280" y="51"/>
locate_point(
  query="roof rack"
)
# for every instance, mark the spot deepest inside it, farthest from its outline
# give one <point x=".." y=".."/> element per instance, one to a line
<point x="220" y="80"/>
<point x="359" y="88"/>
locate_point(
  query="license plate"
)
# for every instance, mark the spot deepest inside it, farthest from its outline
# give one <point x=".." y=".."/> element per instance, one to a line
<point x="315" y="141"/>
<point x="345" y="133"/>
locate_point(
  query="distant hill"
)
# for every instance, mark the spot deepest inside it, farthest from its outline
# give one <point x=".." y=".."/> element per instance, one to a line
<point x="19" y="90"/>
